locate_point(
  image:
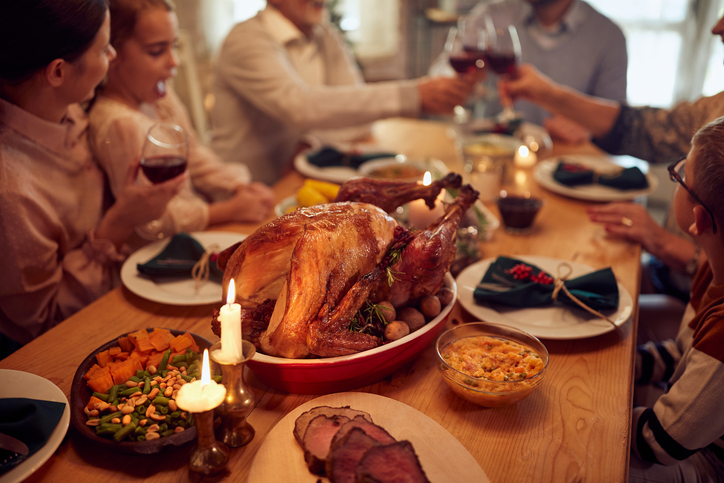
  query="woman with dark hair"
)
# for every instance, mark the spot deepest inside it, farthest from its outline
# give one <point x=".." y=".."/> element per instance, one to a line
<point x="136" y="96"/>
<point x="61" y="241"/>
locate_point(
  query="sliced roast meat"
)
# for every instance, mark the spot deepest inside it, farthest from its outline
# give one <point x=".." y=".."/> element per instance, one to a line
<point x="372" y="430"/>
<point x="346" y="453"/>
<point x="391" y="462"/>
<point x="317" y="439"/>
<point x="300" y="425"/>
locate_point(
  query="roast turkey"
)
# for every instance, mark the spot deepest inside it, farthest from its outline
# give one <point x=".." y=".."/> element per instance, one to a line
<point x="317" y="266"/>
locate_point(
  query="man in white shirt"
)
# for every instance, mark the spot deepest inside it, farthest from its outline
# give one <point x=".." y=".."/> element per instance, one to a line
<point x="284" y="73"/>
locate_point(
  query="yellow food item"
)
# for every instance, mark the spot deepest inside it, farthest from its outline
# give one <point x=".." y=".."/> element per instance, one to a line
<point x="315" y="192"/>
<point x="329" y="190"/>
<point x="491" y="371"/>
<point x="308" y="196"/>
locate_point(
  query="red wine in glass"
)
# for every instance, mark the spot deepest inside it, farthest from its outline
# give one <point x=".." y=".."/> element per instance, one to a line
<point x="501" y="63"/>
<point x="162" y="168"/>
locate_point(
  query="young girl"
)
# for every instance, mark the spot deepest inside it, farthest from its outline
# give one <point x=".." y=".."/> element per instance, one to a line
<point x="60" y="251"/>
<point x="683" y="428"/>
<point x="136" y="95"/>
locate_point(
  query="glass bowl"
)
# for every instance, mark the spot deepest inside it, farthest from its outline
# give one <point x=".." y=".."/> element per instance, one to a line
<point x="518" y="211"/>
<point x="499" y="380"/>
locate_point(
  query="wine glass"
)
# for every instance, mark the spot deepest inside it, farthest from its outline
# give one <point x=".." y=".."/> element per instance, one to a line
<point x="164" y="156"/>
<point x="465" y="47"/>
<point x="502" y="54"/>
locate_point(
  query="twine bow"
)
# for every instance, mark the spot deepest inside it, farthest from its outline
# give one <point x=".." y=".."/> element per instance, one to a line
<point x="200" y="271"/>
<point x="559" y="285"/>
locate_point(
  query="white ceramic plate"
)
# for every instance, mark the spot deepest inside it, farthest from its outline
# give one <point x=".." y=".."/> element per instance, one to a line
<point x="173" y="290"/>
<point x="551" y="322"/>
<point x="544" y="176"/>
<point x="31" y="386"/>
<point x="442" y="456"/>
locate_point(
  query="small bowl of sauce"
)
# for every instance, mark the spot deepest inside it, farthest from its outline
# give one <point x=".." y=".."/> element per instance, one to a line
<point x="518" y="211"/>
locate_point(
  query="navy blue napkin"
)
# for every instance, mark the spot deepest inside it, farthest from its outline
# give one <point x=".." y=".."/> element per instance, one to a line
<point x="178" y="259"/>
<point x="572" y="174"/>
<point x="328" y="156"/>
<point x="31" y="421"/>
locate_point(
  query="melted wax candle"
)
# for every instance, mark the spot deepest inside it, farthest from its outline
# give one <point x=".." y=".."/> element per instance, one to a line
<point x="203" y="395"/>
<point x="421" y="216"/>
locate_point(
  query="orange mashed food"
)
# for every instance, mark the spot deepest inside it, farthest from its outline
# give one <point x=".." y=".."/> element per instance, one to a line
<point x="492" y="358"/>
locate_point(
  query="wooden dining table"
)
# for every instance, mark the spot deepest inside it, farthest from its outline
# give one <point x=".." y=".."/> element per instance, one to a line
<point x="574" y="427"/>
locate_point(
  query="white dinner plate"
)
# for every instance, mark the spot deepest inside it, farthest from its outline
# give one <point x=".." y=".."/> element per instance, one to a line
<point x="175" y="290"/>
<point x="31" y="386"/>
<point x="595" y="192"/>
<point x="441" y="456"/>
<point x="333" y="174"/>
<point x="555" y="321"/>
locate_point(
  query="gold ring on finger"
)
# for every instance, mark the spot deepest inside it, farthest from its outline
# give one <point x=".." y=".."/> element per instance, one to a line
<point x="626" y="221"/>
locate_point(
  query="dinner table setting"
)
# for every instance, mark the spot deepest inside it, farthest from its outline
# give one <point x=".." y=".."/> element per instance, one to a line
<point x="160" y="380"/>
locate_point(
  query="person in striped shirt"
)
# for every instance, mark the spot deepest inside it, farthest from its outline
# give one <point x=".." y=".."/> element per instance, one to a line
<point x="680" y="437"/>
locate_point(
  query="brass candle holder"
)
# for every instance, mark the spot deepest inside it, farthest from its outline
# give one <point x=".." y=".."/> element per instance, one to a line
<point x="235" y="430"/>
<point x="209" y="456"/>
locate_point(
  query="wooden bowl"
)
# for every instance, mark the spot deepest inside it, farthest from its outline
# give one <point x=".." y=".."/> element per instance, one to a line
<point x="337" y="374"/>
<point x="80" y="393"/>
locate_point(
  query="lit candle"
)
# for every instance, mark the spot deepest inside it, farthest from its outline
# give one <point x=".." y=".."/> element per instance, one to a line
<point x="230" y="319"/>
<point x="203" y="395"/>
<point x="525" y="158"/>
<point x="421" y="216"/>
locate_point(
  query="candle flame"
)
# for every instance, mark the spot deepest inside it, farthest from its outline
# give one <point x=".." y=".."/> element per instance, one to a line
<point x="205" y="370"/>
<point x="427" y="179"/>
<point x="523" y="151"/>
<point x="231" y="294"/>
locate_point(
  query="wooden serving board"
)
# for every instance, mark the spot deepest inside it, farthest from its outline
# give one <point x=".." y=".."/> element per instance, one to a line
<point x="442" y="456"/>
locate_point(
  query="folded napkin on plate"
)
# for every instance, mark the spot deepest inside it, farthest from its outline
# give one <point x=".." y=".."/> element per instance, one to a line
<point x="520" y="284"/>
<point x="178" y="259"/>
<point x="572" y="174"/>
<point x="31" y="421"/>
<point x="328" y="156"/>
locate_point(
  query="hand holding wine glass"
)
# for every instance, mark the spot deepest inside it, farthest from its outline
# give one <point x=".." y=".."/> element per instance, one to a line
<point x="164" y="156"/>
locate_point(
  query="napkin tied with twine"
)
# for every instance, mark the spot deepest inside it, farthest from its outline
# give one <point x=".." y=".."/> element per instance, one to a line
<point x="32" y="421"/>
<point x="184" y="256"/>
<point x="516" y="283"/>
<point x="572" y="174"/>
<point x="329" y="156"/>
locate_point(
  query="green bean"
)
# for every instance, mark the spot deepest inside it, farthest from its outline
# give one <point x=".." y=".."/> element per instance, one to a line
<point x="186" y="378"/>
<point x="167" y="433"/>
<point x="123" y="432"/>
<point x="217" y="379"/>
<point x="110" y="416"/>
<point x="176" y="414"/>
<point x="114" y="426"/>
<point x="162" y="409"/>
<point x="135" y="378"/>
<point x="113" y="393"/>
<point x="160" y="400"/>
<point x="116" y="402"/>
<point x="140" y="373"/>
<point x="146" y="385"/>
<point x="178" y="359"/>
<point x="141" y="410"/>
<point x="182" y="364"/>
<point x="164" y="361"/>
<point x="128" y="392"/>
<point x="139" y="430"/>
<point x="141" y="438"/>
<point x="190" y="419"/>
<point x="162" y="427"/>
<point x="103" y="397"/>
<point x="103" y="431"/>
<point x="163" y="373"/>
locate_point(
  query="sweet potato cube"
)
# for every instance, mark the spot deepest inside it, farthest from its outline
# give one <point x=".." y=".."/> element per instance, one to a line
<point x="101" y="381"/>
<point x="180" y="343"/>
<point x="125" y="344"/>
<point x="121" y="372"/>
<point x="161" y="338"/>
<point x="194" y="346"/>
<point x="154" y="359"/>
<point x="90" y="372"/>
<point x="104" y="358"/>
<point x="121" y="356"/>
<point x="141" y="341"/>
<point x="114" y="350"/>
<point x="141" y="357"/>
